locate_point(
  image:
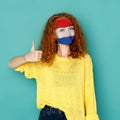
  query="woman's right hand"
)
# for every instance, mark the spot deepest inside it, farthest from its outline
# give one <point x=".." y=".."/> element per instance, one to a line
<point x="33" y="55"/>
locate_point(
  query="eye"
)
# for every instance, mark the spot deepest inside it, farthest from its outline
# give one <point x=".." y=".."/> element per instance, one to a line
<point x="71" y="28"/>
<point x="61" y="29"/>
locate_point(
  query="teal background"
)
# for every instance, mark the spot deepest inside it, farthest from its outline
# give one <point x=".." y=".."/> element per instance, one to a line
<point x="22" y="21"/>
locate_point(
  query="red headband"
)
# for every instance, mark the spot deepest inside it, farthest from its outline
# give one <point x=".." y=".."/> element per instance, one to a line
<point x="62" y="22"/>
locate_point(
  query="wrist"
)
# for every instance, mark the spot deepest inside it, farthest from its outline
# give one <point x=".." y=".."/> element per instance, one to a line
<point x="25" y="58"/>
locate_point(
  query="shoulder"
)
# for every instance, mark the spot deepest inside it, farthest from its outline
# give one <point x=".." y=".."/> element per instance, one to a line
<point x="87" y="59"/>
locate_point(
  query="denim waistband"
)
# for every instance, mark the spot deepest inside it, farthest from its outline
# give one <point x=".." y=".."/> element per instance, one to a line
<point x="51" y="113"/>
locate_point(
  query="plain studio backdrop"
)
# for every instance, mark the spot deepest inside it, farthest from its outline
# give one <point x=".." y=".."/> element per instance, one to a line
<point x="22" y="21"/>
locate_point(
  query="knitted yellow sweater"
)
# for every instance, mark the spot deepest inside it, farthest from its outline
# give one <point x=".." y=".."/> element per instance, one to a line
<point x="67" y="84"/>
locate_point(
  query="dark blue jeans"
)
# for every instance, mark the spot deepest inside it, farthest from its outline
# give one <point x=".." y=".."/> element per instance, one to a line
<point x="50" y="113"/>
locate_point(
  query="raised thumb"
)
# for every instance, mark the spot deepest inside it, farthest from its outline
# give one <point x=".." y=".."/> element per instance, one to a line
<point x="33" y="46"/>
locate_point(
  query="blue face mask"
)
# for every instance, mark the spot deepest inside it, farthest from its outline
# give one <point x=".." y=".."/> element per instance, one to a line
<point x="66" y="40"/>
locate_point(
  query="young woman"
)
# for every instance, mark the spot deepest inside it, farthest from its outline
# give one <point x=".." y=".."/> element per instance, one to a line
<point x="63" y="71"/>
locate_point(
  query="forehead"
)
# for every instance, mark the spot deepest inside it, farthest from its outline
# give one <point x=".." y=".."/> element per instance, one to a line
<point x="62" y="22"/>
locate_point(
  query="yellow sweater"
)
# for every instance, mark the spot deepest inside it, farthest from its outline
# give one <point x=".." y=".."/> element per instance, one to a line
<point x="67" y="84"/>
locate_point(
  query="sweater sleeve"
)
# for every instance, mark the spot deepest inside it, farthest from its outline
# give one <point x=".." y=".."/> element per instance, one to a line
<point x="27" y="69"/>
<point x="90" y="100"/>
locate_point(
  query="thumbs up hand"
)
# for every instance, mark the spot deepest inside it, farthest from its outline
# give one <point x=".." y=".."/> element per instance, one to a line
<point x="33" y="55"/>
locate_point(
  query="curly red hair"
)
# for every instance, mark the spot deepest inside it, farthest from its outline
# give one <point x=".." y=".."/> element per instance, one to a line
<point x="49" y="43"/>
